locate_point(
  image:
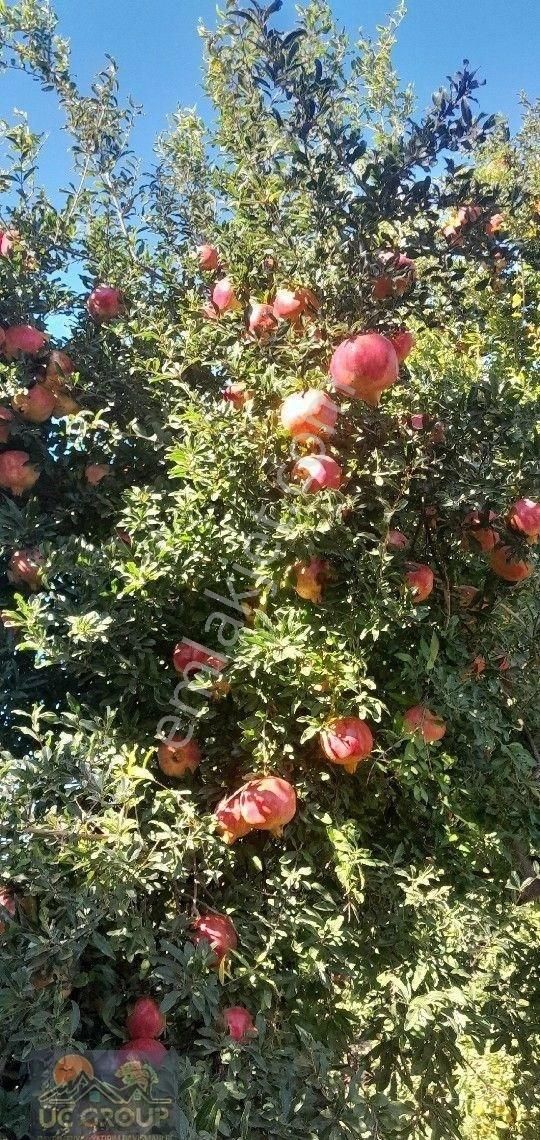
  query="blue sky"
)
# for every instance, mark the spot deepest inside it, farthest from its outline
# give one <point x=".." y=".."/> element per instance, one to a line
<point x="159" y="52"/>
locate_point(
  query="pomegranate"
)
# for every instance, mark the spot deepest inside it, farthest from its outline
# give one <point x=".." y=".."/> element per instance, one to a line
<point x="310" y="413"/>
<point x="494" y="224"/>
<point x="396" y="540"/>
<point x="231" y="823"/>
<point x="346" y="741"/>
<point x="318" y="473"/>
<point x="104" y="303"/>
<point x="417" y="421"/>
<point x="6" y="417"/>
<point x="176" y="757"/>
<point x="403" y="343"/>
<point x="364" y="366"/>
<point x="65" y="405"/>
<point x="524" y="516"/>
<point x="478" y="534"/>
<point x="224" y="297"/>
<point x="311" y="578"/>
<point x="7" y="901"/>
<point x="69" y="1067"/>
<point x="289" y="304"/>
<point x="25" y="566"/>
<point x="95" y="472"/>
<point x="17" y="474"/>
<point x="419" y="578"/>
<point x="189" y="653"/>
<point x="504" y="563"/>
<point x="239" y="1023"/>
<point x="207" y="256"/>
<point x="237" y="395"/>
<point x="8" y="238"/>
<point x="398" y="274"/>
<point x="36" y="405"/>
<point x="218" y="930"/>
<point x="145" y="1019"/>
<point x="209" y="311"/>
<point x="264" y="804"/>
<point x="420" y="720"/>
<point x="59" y="365"/>
<point x="262" y="321"/>
<point x="478" y="665"/>
<point x="24" y="338"/>
<point x="467" y="595"/>
<point x="143" y="1049"/>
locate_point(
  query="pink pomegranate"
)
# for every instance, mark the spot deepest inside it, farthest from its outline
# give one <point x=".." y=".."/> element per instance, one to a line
<point x="289" y="304"/>
<point x="231" y="823"/>
<point x="7" y="901"/>
<point x="396" y="540"/>
<point x="398" y="274"/>
<point x="17" y="474"/>
<point x="189" y="654"/>
<point x="264" y="804"/>
<point x="364" y="366"/>
<point x="311" y="578"/>
<point x="59" y="366"/>
<point x="95" y="472"/>
<point x="262" y="321"/>
<point x="143" y="1049"/>
<point x="403" y="343"/>
<point x="208" y="257"/>
<point x="6" y="417"/>
<point x="419" y="720"/>
<point x="218" y="931"/>
<point x="237" y="394"/>
<point x="420" y="580"/>
<point x="494" y="224"/>
<point x="524" y="516"/>
<point x="506" y="565"/>
<point x="145" y="1020"/>
<point x="346" y="741"/>
<point x="8" y="239"/>
<point x="36" y="405"/>
<point x="176" y="757"/>
<point x="310" y="413"/>
<point x="25" y="566"/>
<point x="24" y="339"/>
<point x="224" y="297"/>
<point x="104" y="303"/>
<point x="318" y="473"/>
<point x="239" y="1022"/>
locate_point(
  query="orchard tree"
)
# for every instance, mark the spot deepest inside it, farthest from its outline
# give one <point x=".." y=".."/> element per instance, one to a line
<point x="269" y="646"/>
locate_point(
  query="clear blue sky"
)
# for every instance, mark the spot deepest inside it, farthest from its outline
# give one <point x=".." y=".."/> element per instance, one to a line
<point x="159" y="52"/>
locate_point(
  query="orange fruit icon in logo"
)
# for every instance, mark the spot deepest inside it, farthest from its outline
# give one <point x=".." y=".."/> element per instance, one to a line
<point x="70" y="1067"/>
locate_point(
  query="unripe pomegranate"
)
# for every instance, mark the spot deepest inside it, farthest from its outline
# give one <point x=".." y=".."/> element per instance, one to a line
<point x="17" y="474"/>
<point x="504" y="563"/>
<point x="24" y="338"/>
<point x="189" y="653"/>
<point x="6" y="417"/>
<point x="143" y="1049"/>
<point x="311" y="578"/>
<point x="224" y="297"/>
<point x="237" y="394"/>
<point x="218" y="930"/>
<point x="207" y="256"/>
<point x="364" y="366"/>
<point x="403" y="343"/>
<point x="289" y="304"/>
<point x="397" y="278"/>
<point x="262" y="321"/>
<point x="25" y="566"/>
<point x="145" y="1019"/>
<point x="59" y="366"/>
<point x="7" y="901"/>
<point x="36" y="405"/>
<point x="419" y="720"/>
<point x="104" y="303"/>
<point x="477" y="534"/>
<point x="176" y="757"/>
<point x="95" y="472"/>
<point x="524" y="516"/>
<point x="310" y="413"/>
<point x="346" y="741"/>
<point x="396" y="540"/>
<point x="419" y="578"/>
<point x="239" y="1023"/>
<point x="318" y="473"/>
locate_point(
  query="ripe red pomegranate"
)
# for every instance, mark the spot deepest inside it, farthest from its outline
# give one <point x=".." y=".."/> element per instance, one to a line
<point x="189" y="654"/>
<point x="224" y="297"/>
<point x="264" y="804"/>
<point x="310" y="413"/>
<point x="176" y="757"/>
<point x="95" y="472"/>
<point x="237" y="395"/>
<point x="17" y="474"/>
<point x="146" y="1019"/>
<point x="25" y="566"/>
<point x="524" y="516"/>
<point x="289" y="304"/>
<point x="8" y="238"/>
<point x="207" y="256"/>
<point x="7" y="901"/>
<point x="478" y="534"/>
<point x="35" y="405"/>
<point x="59" y="366"/>
<point x="311" y="578"/>
<point x="262" y="321"/>
<point x="503" y="562"/>
<point x="403" y="343"/>
<point x="6" y="417"/>
<point x="239" y="1023"/>
<point x="364" y="366"/>
<point x="398" y="275"/>
<point x="218" y="930"/>
<point x="143" y="1049"/>
<point x="419" y="578"/>
<point x="396" y="540"/>
<point x="346" y="741"/>
<point x="420" y="720"/>
<point x="24" y="338"/>
<point x="318" y="473"/>
<point x="104" y="303"/>
<point x="417" y="421"/>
